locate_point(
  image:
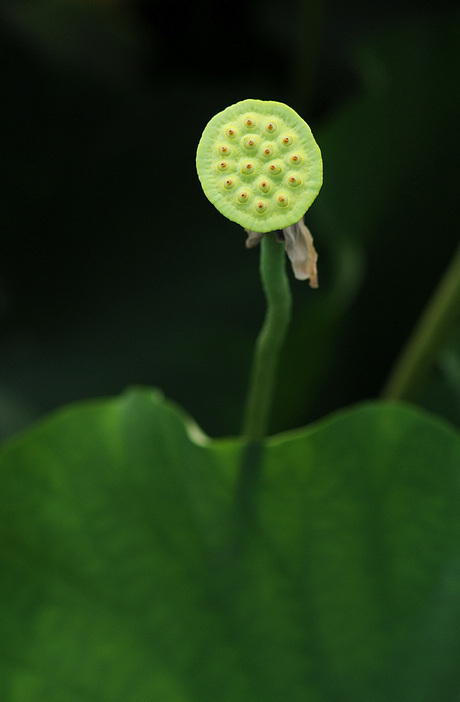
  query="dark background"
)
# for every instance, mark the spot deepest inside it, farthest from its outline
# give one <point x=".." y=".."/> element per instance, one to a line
<point x="116" y="270"/>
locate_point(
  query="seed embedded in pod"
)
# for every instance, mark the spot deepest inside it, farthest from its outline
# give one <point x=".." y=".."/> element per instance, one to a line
<point x="260" y="207"/>
<point x="282" y="200"/>
<point x="264" y="185"/>
<point x="296" y="159"/>
<point x="228" y="183"/>
<point x="231" y="132"/>
<point x="249" y="122"/>
<point x="222" y="165"/>
<point x="287" y="139"/>
<point x="247" y="167"/>
<point x="250" y="142"/>
<point x="243" y="196"/>
<point x="293" y="180"/>
<point x="268" y="150"/>
<point x="274" y="168"/>
<point x="224" y="150"/>
<point x="271" y="127"/>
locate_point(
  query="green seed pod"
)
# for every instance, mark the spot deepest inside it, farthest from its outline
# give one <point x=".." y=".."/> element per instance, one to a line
<point x="241" y="130"/>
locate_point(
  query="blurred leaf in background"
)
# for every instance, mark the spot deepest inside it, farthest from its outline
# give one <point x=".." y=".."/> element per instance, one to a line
<point x="442" y="394"/>
<point x="128" y="573"/>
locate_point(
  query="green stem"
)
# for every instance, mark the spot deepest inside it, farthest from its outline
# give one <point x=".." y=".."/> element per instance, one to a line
<point x="429" y="337"/>
<point x="270" y="340"/>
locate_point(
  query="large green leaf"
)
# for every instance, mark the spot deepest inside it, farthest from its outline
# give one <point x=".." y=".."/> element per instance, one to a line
<point x="130" y="572"/>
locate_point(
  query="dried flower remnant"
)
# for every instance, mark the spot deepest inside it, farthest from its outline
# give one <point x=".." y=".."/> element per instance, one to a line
<point x="299" y="246"/>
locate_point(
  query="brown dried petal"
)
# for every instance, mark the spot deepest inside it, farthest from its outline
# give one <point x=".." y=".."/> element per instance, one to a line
<point x="253" y="239"/>
<point x="299" y="246"/>
<point x="302" y="253"/>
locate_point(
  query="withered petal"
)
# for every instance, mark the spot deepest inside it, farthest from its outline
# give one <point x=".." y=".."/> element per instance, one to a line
<point x="301" y="252"/>
<point x="253" y="239"/>
<point x="299" y="246"/>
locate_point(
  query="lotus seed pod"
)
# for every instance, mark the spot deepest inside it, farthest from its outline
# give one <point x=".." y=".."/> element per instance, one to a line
<point x="267" y="149"/>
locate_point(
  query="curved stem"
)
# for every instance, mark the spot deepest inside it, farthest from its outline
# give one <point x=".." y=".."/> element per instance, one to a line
<point x="428" y="338"/>
<point x="270" y="340"/>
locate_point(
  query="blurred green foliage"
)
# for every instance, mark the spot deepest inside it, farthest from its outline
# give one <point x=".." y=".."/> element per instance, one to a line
<point x="98" y="293"/>
<point x="129" y="573"/>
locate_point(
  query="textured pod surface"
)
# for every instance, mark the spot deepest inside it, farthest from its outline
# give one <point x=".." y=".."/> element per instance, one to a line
<point x="259" y="164"/>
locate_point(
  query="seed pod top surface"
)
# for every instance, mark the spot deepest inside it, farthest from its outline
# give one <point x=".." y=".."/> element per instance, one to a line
<point x="259" y="164"/>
